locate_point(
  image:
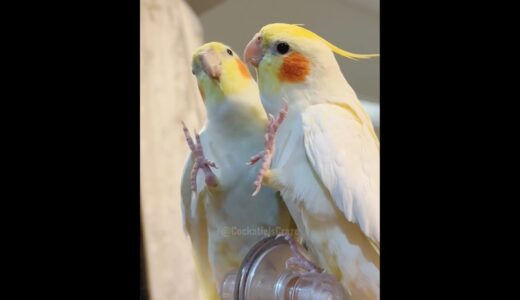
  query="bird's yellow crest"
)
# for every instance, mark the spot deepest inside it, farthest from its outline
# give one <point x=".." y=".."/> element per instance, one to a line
<point x="297" y="30"/>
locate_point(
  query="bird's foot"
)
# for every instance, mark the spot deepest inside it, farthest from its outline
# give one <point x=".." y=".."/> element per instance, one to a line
<point x="298" y="259"/>
<point x="200" y="161"/>
<point x="269" y="147"/>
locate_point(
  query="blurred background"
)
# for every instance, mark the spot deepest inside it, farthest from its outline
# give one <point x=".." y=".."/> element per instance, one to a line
<point x="170" y="31"/>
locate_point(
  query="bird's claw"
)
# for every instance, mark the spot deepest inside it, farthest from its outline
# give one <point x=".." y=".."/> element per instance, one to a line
<point x="269" y="147"/>
<point x="298" y="259"/>
<point x="201" y="162"/>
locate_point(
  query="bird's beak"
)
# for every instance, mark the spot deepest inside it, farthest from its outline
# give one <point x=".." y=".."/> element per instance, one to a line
<point x="253" y="52"/>
<point x="211" y="63"/>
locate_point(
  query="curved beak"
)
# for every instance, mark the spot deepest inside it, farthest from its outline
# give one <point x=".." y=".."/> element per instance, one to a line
<point x="211" y="63"/>
<point x="253" y="52"/>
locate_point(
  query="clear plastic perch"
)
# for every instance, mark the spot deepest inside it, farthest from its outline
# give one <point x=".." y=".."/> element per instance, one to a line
<point x="264" y="275"/>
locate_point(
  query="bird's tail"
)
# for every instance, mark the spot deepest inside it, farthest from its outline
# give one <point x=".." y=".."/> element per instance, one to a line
<point x="205" y="279"/>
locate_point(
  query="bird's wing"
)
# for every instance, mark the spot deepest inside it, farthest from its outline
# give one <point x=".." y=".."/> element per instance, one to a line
<point x="345" y="155"/>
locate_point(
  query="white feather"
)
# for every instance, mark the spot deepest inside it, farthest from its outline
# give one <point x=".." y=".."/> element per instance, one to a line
<point x="233" y="220"/>
<point x="345" y="156"/>
<point x="338" y="244"/>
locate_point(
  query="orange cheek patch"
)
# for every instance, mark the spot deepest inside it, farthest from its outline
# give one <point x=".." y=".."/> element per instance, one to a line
<point x="243" y="69"/>
<point x="295" y="68"/>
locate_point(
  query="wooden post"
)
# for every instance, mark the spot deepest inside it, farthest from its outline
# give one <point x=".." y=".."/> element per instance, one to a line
<point x="170" y="32"/>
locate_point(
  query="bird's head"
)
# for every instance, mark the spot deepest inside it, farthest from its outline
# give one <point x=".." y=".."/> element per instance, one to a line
<point x="286" y="54"/>
<point x="220" y="72"/>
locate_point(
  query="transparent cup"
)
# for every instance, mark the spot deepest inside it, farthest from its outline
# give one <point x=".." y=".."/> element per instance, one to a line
<point x="264" y="275"/>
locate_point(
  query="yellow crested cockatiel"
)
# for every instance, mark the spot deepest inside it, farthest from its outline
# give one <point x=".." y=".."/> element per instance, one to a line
<point x="326" y="162"/>
<point x="220" y="216"/>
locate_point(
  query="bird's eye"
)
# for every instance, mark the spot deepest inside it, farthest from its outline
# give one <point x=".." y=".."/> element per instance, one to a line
<point x="282" y="48"/>
<point x="229" y="52"/>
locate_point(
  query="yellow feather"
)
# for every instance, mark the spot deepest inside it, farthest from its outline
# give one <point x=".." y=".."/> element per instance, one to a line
<point x="297" y="30"/>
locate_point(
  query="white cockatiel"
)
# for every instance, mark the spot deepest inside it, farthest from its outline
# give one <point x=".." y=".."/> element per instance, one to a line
<point x="326" y="162"/>
<point x="221" y="217"/>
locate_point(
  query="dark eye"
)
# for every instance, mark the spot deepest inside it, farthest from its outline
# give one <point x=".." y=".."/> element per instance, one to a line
<point x="282" y="48"/>
<point x="229" y="52"/>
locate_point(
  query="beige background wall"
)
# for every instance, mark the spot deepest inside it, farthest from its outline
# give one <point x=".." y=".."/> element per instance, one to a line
<point x="169" y="34"/>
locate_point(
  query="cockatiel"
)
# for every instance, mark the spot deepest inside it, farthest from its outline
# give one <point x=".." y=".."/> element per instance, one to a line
<point x="326" y="162"/>
<point x="220" y="216"/>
